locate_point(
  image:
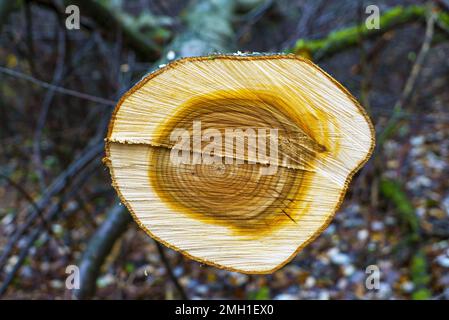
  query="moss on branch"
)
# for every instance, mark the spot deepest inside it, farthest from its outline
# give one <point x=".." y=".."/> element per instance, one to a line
<point x="343" y="39"/>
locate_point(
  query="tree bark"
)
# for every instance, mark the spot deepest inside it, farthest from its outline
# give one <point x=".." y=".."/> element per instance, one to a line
<point x="98" y="249"/>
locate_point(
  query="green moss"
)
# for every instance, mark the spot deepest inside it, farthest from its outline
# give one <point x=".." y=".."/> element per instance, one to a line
<point x="350" y="36"/>
<point x="393" y="191"/>
<point x="420" y="277"/>
<point x="422" y="294"/>
<point x="443" y="20"/>
<point x="262" y="294"/>
<point x="129" y="267"/>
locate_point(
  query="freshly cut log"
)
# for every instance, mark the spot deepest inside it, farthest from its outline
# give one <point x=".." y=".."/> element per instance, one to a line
<point x="237" y="161"/>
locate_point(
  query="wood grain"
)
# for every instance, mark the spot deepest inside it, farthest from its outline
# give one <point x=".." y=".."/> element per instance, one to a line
<point x="228" y="214"/>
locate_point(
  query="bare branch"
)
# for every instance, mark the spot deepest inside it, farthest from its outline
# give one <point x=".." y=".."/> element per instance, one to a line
<point x="98" y="248"/>
<point x="172" y="276"/>
<point x="61" y="90"/>
<point x="398" y="114"/>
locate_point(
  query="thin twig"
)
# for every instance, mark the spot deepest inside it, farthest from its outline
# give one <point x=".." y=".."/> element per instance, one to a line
<point x="29" y="199"/>
<point x="309" y="10"/>
<point x="253" y="17"/>
<point x="90" y="153"/>
<point x="53" y="212"/>
<point x="57" y="76"/>
<point x="61" y="90"/>
<point x="172" y="276"/>
<point x="398" y="112"/>
<point x="29" y="37"/>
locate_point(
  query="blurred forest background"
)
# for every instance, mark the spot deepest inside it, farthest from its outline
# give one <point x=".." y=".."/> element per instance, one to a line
<point x="58" y="88"/>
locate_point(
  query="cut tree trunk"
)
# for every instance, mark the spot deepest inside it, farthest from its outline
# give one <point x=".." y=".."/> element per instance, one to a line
<point x="237" y="161"/>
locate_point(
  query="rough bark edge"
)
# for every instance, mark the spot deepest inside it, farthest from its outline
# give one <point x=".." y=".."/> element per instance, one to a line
<point x="238" y="57"/>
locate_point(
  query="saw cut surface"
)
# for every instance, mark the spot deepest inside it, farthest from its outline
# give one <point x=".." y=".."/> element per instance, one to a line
<point x="237" y="161"/>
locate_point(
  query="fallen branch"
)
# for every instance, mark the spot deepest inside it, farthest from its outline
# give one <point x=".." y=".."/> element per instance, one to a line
<point x="52" y="213"/>
<point x="91" y="153"/>
<point x="98" y="248"/>
<point x="29" y="199"/>
<point x="346" y="38"/>
<point x="108" y="20"/>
